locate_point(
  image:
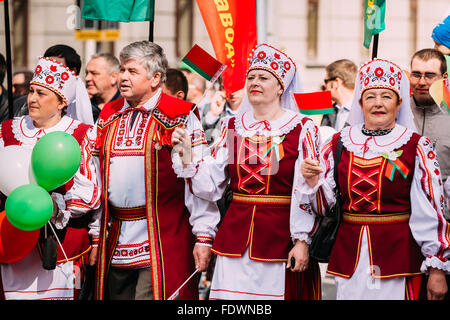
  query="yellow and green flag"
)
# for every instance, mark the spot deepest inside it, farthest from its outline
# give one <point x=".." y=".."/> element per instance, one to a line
<point x="374" y="12"/>
<point x="118" y="10"/>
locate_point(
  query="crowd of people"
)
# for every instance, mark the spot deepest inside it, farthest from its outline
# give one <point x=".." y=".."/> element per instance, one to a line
<point x="184" y="192"/>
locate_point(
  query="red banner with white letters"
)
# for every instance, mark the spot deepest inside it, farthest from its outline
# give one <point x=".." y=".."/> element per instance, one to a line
<point x="231" y="25"/>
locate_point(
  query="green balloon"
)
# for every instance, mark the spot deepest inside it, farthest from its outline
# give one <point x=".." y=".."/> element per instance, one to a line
<point x="29" y="207"/>
<point x="55" y="159"/>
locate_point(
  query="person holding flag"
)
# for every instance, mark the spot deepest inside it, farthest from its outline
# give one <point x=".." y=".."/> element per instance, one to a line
<point x="261" y="251"/>
<point x="393" y="229"/>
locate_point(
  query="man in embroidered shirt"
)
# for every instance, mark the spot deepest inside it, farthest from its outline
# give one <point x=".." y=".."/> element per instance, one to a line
<point x="154" y="234"/>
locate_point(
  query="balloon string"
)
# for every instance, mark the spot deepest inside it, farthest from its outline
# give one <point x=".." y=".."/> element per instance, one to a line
<point x="57" y="239"/>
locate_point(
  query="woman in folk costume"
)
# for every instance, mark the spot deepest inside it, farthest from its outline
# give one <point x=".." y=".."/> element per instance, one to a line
<point x="259" y="153"/>
<point x="393" y="230"/>
<point x="53" y="85"/>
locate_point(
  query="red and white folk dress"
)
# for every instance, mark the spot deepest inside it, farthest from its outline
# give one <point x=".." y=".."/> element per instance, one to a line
<point x="393" y="227"/>
<point x="76" y="200"/>
<point x="260" y="159"/>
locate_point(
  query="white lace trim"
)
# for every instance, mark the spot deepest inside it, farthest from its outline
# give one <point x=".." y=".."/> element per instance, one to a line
<point x="281" y="126"/>
<point x="353" y="139"/>
<point x="435" y="262"/>
<point x="25" y="131"/>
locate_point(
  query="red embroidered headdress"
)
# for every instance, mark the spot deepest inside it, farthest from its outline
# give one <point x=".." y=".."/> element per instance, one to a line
<point x="268" y="58"/>
<point x="55" y="76"/>
<point x="380" y="73"/>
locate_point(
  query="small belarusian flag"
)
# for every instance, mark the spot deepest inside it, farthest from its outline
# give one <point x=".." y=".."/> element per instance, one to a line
<point x="119" y="10"/>
<point x="203" y="63"/>
<point x="314" y="102"/>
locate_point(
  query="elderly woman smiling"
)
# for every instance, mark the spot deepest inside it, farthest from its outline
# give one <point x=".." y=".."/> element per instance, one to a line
<point x="393" y="230"/>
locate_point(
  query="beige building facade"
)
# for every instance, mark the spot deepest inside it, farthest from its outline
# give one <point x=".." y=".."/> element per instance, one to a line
<point x="313" y="32"/>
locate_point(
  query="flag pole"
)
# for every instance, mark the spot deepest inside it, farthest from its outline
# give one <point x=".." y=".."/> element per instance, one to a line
<point x="8" y="60"/>
<point x="375" y="46"/>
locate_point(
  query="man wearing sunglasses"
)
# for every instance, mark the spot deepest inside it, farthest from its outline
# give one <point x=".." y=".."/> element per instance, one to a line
<point x="432" y="121"/>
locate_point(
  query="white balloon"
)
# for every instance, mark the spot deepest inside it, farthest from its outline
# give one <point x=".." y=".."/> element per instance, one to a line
<point x="15" y="168"/>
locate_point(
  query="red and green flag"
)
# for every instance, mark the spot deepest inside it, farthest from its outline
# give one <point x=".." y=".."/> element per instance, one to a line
<point x="314" y="102"/>
<point x="118" y="10"/>
<point x="374" y="12"/>
<point x="203" y="63"/>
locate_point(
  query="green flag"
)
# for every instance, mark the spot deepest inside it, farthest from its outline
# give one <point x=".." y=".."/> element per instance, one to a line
<point x="374" y="11"/>
<point x="118" y="10"/>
